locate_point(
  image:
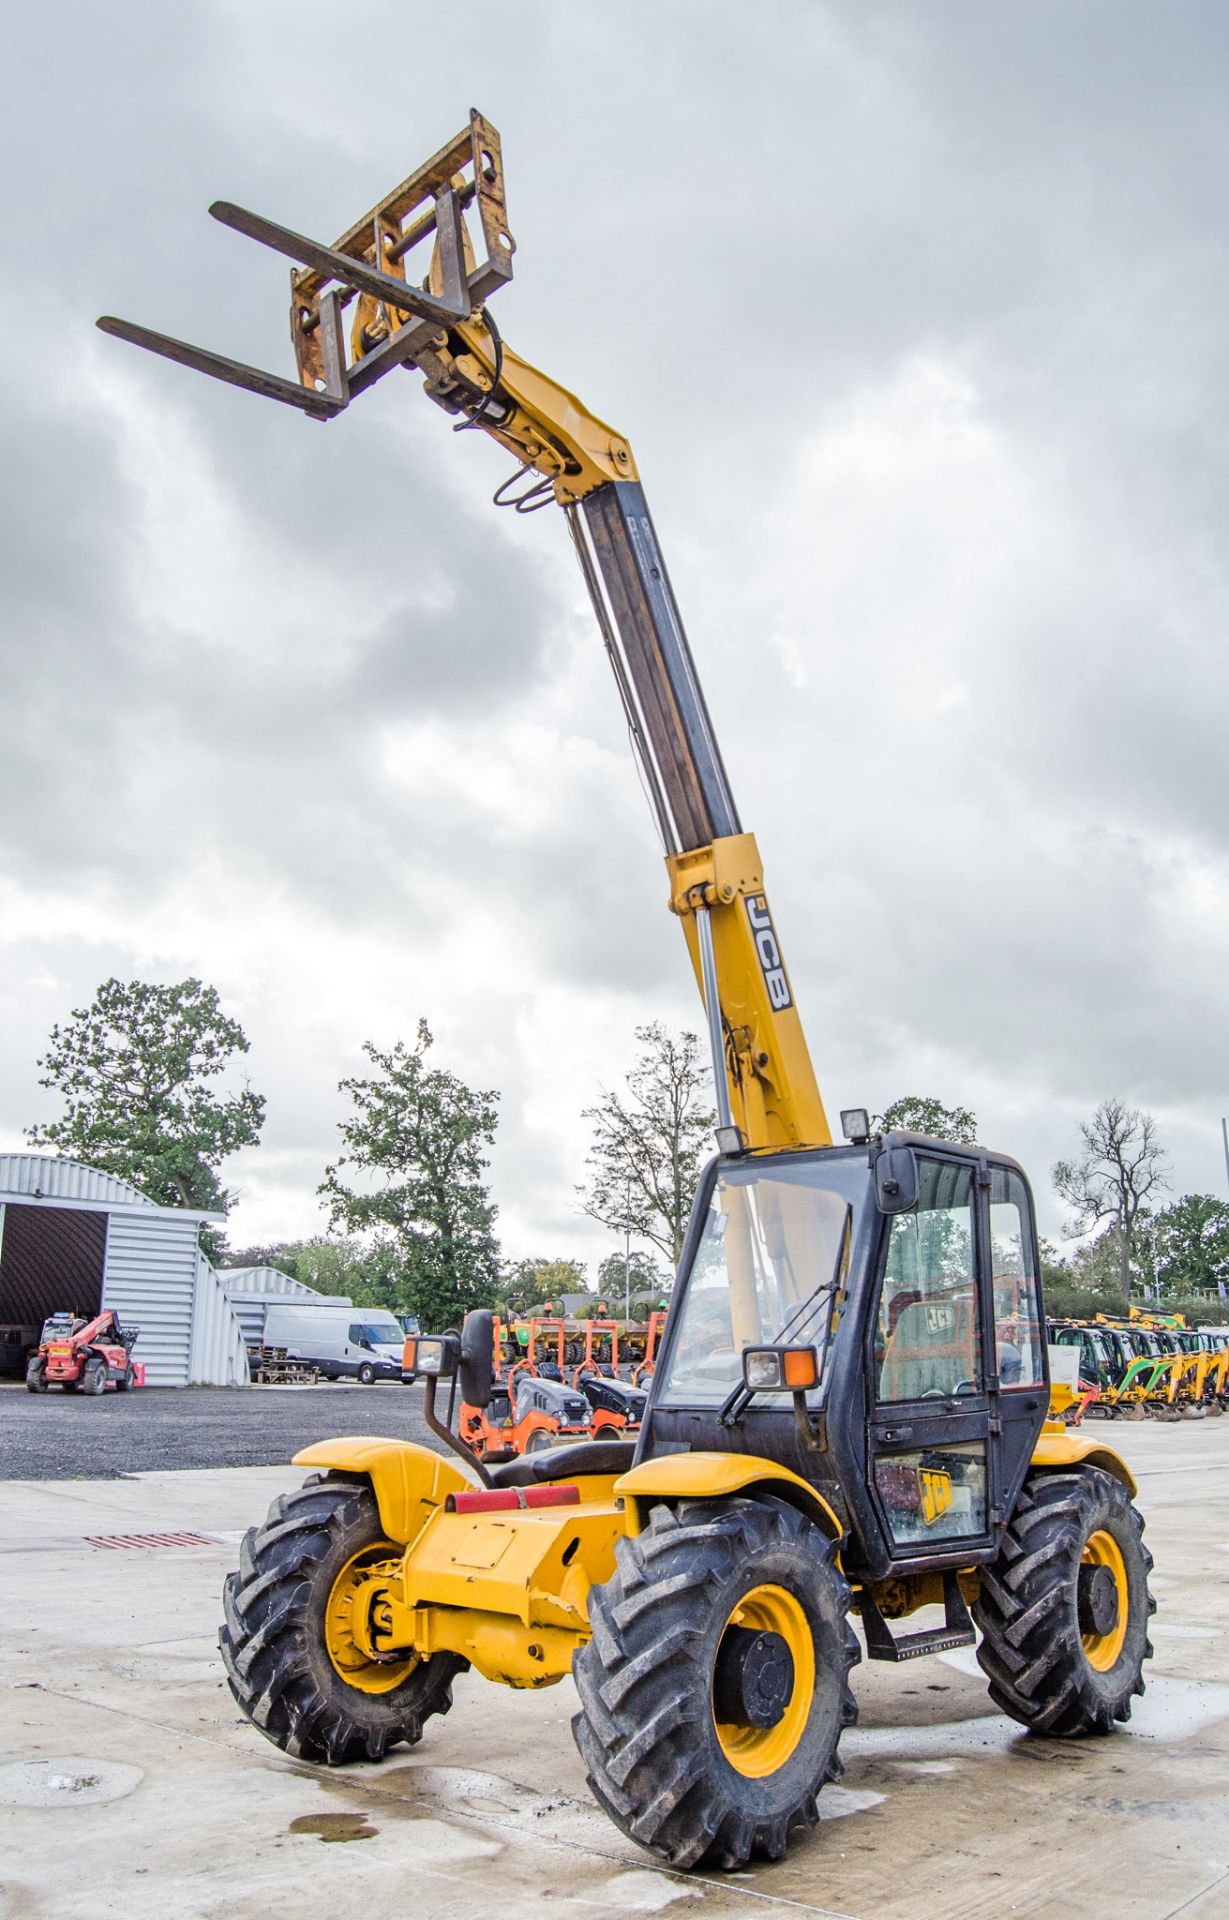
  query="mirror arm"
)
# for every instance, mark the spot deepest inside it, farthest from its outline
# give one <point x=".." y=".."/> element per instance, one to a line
<point x="449" y="1438"/>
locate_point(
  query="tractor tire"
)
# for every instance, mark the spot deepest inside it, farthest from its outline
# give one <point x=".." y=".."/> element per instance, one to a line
<point x="1064" y="1608"/>
<point x="281" y="1607"/>
<point x="124" y="1382"/>
<point x="94" y="1378"/>
<point x="734" y="1608"/>
<point x="36" y="1376"/>
<point x="365" y="1375"/>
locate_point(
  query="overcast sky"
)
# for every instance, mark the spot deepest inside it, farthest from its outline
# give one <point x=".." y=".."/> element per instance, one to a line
<point x="915" y="316"/>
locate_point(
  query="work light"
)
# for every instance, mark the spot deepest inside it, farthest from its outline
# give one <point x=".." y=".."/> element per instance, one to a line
<point x="780" y="1369"/>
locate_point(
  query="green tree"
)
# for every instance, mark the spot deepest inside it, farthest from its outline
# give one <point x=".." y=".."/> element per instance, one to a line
<point x="645" y="1274"/>
<point x="138" y="1071"/>
<point x="917" y="1113"/>
<point x="1190" y="1245"/>
<point x="649" y="1142"/>
<point x="1122" y="1164"/>
<point x="530" y="1283"/>
<point x="418" y="1133"/>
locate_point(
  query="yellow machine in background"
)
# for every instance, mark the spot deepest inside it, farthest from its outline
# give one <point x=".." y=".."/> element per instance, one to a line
<point x="848" y="1409"/>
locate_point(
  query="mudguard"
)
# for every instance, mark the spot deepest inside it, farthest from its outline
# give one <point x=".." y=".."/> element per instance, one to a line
<point x="1066" y="1450"/>
<point x="712" y="1476"/>
<point x="409" y="1482"/>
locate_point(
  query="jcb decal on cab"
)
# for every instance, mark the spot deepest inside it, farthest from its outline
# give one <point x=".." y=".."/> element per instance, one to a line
<point x="764" y="935"/>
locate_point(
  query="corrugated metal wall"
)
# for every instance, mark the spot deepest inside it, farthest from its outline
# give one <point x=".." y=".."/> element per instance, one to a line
<point x="150" y="1281"/>
<point x="218" y="1355"/>
<point x="250" y="1290"/>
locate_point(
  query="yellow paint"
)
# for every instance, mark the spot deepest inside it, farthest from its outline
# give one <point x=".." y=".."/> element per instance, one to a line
<point x="1101" y="1650"/>
<point x="502" y="1649"/>
<point x="936" y="1491"/>
<point x="549" y="429"/>
<point x="773" y="1091"/>
<point x="713" y="1476"/>
<point x="410" y="1482"/>
<point x="535" y="1565"/>
<point x="1062" y="1449"/>
<point x="757" y="1752"/>
<point x="354" y="1593"/>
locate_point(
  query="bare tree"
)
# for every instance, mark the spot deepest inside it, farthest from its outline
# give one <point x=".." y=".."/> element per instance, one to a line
<point x="1121" y="1165"/>
<point x="648" y="1144"/>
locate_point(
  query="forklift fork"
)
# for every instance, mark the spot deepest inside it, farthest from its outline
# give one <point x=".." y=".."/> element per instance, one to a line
<point x="397" y="321"/>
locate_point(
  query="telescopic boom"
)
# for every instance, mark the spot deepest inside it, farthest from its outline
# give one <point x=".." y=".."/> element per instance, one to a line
<point x="766" y="1087"/>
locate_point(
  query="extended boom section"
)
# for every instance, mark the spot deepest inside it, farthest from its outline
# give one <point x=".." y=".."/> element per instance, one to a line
<point x="356" y="314"/>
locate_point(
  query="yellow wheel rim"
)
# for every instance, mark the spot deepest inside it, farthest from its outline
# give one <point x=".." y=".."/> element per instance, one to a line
<point x="757" y="1751"/>
<point x="349" y="1598"/>
<point x="1101" y="1650"/>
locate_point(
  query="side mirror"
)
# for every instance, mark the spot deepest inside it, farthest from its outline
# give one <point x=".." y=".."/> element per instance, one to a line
<point x="896" y="1180"/>
<point x="476" y="1370"/>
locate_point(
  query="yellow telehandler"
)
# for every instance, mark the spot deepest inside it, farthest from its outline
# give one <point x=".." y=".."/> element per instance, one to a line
<point x="849" y="1406"/>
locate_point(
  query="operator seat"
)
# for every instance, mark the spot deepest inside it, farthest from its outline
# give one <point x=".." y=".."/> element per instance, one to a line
<point x="931" y="1350"/>
<point x="564" y="1463"/>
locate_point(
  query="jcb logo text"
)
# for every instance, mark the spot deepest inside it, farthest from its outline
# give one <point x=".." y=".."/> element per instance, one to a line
<point x="769" y="952"/>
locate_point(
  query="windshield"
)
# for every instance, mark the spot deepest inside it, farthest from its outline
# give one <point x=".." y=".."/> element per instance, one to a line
<point x="770" y="1269"/>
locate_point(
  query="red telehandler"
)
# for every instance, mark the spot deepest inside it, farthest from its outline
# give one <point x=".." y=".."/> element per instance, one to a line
<point x="84" y="1355"/>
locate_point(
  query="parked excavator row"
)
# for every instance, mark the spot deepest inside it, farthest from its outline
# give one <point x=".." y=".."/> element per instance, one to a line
<point x="849" y="1409"/>
<point x="1147" y="1365"/>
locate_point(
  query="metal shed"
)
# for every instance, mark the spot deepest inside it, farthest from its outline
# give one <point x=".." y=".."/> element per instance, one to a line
<point x="250" y="1291"/>
<point x="73" y="1238"/>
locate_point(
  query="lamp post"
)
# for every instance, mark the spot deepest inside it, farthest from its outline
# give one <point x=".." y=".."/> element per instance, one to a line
<point x="627" y="1249"/>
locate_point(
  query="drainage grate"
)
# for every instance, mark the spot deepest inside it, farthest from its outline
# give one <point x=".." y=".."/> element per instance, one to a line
<point x="150" y="1540"/>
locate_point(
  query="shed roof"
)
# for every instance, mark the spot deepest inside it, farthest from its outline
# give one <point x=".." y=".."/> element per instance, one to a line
<point x="34" y="1177"/>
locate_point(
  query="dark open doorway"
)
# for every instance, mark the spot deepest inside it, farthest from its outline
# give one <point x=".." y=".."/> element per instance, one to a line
<point x="51" y="1261"/>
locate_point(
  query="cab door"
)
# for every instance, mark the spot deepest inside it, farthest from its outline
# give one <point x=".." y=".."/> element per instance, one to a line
<point x="930" y="1389"/>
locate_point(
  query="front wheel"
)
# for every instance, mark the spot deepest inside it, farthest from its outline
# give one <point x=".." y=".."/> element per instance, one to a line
<point x="124" y="1383"/>
<point x="365" y="1375"/>
<point x="716" y="1685"/>
<point x="288" y="1644"/>
<point x="1064" y="1608"/>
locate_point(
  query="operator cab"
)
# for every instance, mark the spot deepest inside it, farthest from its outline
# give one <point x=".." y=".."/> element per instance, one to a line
<point x="908" y="1266"/>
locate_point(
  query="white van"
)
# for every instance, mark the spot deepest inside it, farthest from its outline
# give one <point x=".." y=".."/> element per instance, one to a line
<point x="344" y="1342"/>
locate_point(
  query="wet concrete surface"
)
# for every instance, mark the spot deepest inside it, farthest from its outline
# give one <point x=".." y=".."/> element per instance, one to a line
<point x="130" y="1784"/>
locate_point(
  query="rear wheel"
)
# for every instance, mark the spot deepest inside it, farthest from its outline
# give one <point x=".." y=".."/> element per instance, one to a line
<point x="94" y="1379"/>
<point x="1064" y="1609"/>
<point x="288" y="1643"/>
<point x="36" y="1376"/>
<point x="716" y="1684"/>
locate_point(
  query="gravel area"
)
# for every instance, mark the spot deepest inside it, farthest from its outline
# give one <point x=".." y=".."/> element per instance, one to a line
<point x="63" y="1436"/>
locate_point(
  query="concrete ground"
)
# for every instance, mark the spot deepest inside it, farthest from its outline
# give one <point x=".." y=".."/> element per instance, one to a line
<point x="130" y="1785"/>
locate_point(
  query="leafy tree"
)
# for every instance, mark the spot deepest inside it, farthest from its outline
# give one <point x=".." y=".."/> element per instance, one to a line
<point x="644" y="1273"/>
<point x="917" y="1113"/>
<point x="530" y="1283"/>
<point x="137" y="1069"/>
<point x="419" y="1132"/>
<point x="649" y="1143"/>
<point x="1190" y="1245"/>
<point x="1122" y="1163"/>
<point x="278" y="1253"/>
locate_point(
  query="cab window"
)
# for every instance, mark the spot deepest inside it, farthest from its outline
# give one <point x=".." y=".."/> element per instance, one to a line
<point x="928" y="1338"/>
<point x="1017" y="1323"/>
